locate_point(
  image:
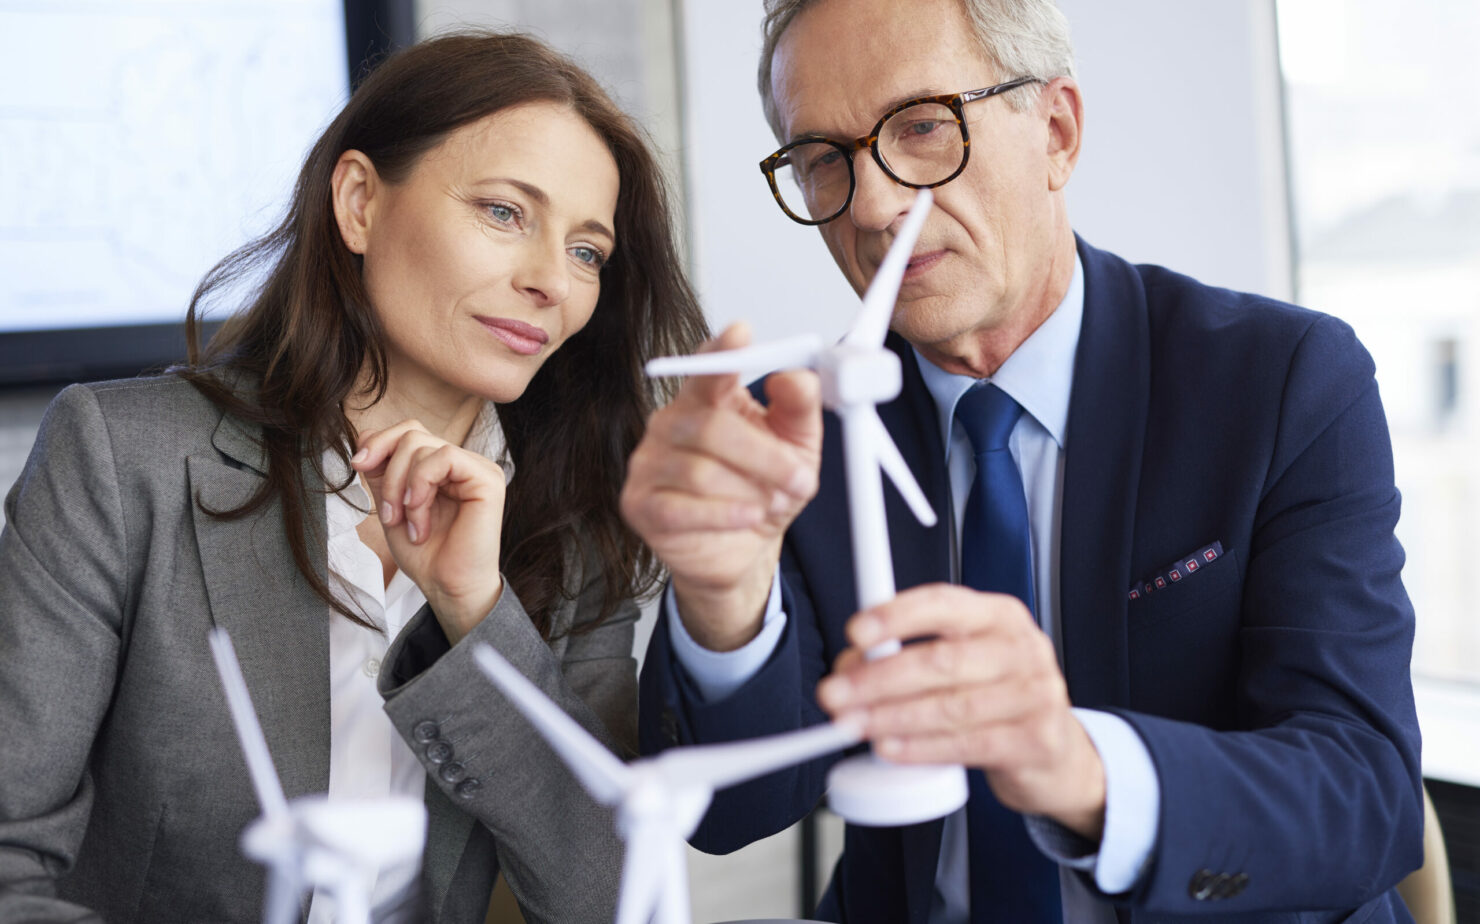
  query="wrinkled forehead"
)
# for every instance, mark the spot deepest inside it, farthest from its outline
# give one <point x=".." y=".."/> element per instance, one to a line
<point x="841" y="64"/>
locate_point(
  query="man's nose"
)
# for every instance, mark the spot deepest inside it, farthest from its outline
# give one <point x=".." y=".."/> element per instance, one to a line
<point x="877" y="199"/>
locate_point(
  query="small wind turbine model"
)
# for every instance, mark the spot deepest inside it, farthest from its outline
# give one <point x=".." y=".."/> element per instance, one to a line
<point x="659" y="801"/>
<point x="313" y="842"/>
<point x="858" y="374"/>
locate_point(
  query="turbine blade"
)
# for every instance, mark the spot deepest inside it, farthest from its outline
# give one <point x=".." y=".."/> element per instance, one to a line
<point x="248" y="729"/>
<point x="721" y="765"/>
<point x="598" y="769"/>
<point x="878" y="301"/>
<point x="642" y="874"/>
<point x="673" y="905"/>
<point x="895" y="466"/>
<point x="280" y="906"/>
<point x="791" y="353"/>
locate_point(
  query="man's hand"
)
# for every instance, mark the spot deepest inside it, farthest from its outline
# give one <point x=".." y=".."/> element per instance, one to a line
<point x="714" y="484"/>
<point x="985" y="690"/>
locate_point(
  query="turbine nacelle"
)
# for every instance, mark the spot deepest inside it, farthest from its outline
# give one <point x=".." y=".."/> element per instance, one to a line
<point x="858" y="375"/>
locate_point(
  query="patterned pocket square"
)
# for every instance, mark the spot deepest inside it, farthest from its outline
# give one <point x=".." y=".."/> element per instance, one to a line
<point x="1178" y="571"/>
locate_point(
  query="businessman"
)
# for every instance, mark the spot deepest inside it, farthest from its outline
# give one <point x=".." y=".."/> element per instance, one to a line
<point x="1160" y="620"/>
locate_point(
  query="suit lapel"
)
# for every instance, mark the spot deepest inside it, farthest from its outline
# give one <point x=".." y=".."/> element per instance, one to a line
<point x="279" y="627"/>
<point x="1107" y="425"/>
<point x="922" y="555"/>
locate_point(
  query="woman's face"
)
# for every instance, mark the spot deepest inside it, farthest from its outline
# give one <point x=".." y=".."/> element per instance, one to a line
<point x="487" y="257"/>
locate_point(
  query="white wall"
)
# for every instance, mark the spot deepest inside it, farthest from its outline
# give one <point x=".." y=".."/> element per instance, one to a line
<point x="1183" y="159"/>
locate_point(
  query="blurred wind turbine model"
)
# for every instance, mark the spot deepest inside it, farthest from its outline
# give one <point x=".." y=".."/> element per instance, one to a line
<point x="312" y="842"/>
<point x="659" y="801"/>
<point x="857" y="375"/>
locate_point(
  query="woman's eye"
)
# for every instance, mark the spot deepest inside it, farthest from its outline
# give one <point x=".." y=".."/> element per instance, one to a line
<point x="502" y="212"/>
<point x="589" y="256"/>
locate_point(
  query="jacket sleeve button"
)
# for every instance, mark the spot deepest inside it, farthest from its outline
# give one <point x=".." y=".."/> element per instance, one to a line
<point x="452" y="771"/>
<point x="439" y="752"/>
<point x="425" y="730"/>
<point x="468" y="788"/>
<point x="1201" y="886"/>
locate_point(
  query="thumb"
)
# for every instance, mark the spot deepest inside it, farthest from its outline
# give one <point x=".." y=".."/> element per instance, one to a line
<point x="713" y="389"/>
<point x="794" y="408"/>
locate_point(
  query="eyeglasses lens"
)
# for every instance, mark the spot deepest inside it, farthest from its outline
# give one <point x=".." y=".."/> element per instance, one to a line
<point x="921" y="145"/>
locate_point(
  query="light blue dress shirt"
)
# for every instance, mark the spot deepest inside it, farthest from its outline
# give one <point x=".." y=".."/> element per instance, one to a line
<point x="1039" y="375"/>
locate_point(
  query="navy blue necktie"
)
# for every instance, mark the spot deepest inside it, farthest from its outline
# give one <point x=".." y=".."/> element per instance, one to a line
<point x="1011" y="881"/>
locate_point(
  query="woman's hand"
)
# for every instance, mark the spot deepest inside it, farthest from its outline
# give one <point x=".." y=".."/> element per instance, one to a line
<point x="442" y="509"/>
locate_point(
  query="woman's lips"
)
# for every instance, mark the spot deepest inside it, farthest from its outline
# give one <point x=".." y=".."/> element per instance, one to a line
<point x="524" y="339"/>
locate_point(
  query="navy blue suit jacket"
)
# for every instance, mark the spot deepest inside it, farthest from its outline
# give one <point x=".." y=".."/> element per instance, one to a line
<point x="1270" y="686"/>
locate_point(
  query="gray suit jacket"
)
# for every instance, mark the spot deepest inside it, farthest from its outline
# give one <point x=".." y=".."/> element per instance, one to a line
<point x="123" y="791"/>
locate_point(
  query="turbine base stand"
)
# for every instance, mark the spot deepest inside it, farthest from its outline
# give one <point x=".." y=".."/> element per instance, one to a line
<point x="867" y="790"/>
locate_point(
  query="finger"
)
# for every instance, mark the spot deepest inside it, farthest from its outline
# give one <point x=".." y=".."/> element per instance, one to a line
<point x="447" y="471"/>
<point x="665" y="512"/>
<point x="374" y="447"/>
<point x="989" y="747"/>
<point x="928" y="667"/>
<point x="937" y="609"/>
<point x="794" y="408"/>
<point x="699" y="474"/>
<point x="711" y="390"/>
<point x="849" y="659"/>
<point x="391" y="483"/>
<point x="963" y="707"/>
<point x="750" y="449"/>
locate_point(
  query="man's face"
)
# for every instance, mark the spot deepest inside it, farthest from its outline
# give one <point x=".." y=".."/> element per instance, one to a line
<point x="986" y="256"/>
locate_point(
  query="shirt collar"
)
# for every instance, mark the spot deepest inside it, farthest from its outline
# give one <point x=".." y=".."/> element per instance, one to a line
<point x="1038" y="375"/>
<point x="348" y="508"/>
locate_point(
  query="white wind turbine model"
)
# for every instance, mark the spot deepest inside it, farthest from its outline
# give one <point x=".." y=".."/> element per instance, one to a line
<point x="659" y="801"/>
<point x="312" y="842"/>
<point x="858" y="374"/>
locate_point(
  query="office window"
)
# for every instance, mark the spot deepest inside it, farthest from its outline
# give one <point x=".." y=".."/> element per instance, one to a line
<point x="1383" y="112"/>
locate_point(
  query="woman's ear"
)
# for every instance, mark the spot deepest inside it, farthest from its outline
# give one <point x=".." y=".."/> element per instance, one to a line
<point x="355" y="184"/>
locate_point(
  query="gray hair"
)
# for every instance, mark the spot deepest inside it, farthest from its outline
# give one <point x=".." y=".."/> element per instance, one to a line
<point x="1024" y="38"/>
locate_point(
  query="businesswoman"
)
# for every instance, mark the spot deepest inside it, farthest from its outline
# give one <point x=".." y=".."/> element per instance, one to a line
<point x="410" y="438"/>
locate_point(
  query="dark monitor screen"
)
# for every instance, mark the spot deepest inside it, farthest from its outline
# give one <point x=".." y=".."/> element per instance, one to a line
<point x="144" y="141"/>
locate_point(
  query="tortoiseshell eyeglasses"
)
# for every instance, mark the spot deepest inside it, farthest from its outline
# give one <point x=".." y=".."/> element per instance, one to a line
<point x="919" y="143"/>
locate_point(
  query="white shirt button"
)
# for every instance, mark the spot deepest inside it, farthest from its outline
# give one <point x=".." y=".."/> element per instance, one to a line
<point x="372" y="667"/>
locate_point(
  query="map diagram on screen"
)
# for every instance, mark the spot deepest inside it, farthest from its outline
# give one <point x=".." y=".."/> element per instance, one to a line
<point x="142" y="140"/>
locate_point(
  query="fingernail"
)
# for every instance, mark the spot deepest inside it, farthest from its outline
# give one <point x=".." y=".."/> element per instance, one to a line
<point x="856" y="719"/>
<point x="867" y="630"/>
<point x="386" y="512"/>
<point x="412" y="531"/>
<point x="360" y="456"/>
<point x="889" y="747"/>
<point x="800" y="484"/>
<point x="836" y="691"/>
<point x="406" y="498"/>
<point x="780" y="501"/>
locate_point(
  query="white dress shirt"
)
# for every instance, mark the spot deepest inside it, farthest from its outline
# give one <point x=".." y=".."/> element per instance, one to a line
<point x="1039" y="375"/>
<point x="368" y="759"/>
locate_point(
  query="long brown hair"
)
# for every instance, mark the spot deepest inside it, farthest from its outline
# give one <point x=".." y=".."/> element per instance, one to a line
<point x="288" y="361"/>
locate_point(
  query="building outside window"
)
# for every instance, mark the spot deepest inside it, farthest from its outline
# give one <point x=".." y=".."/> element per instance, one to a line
<point x="1383" y="124"/>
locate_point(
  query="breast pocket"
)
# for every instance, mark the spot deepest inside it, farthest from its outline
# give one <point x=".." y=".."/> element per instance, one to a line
<point x="1188" y="584"/>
